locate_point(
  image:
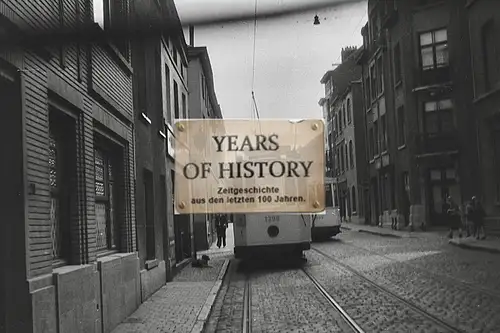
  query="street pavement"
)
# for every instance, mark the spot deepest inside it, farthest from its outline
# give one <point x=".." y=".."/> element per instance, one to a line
<point x="183" y="305"/>
<point x="385" y="284"/>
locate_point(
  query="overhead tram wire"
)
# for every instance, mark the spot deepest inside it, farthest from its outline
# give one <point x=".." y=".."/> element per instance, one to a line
<point x="253" y="65"/>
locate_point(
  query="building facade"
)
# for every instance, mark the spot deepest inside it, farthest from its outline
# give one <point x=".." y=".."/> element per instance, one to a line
<point x="160" y="95"/>
<point x="484" y="33"/>
<point x="203" y="104"/>
<point x="417" y="92"/>
<point x="69" y="236"/>
<point x="342" y="107"/>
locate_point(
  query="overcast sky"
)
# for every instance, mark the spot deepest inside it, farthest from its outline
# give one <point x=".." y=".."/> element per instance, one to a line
<point x="291" y="54"/>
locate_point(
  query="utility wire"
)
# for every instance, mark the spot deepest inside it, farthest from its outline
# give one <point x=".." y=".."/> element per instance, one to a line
<point x="253" y="60"/>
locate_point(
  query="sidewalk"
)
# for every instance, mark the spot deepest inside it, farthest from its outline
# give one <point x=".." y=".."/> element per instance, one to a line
<point x="490" y="244"/>
<point x="386" y="231"/>
<point x="183" y="305"/>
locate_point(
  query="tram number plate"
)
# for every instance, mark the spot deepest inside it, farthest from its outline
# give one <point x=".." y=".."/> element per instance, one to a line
<point x="272" y="218"/>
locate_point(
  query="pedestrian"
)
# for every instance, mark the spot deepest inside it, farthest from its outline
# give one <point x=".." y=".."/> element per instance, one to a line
<point x="221" y="231"/>
<point x="479" y="215"/>
<point x="470" y="223"/>
<point x="454" y="218"/>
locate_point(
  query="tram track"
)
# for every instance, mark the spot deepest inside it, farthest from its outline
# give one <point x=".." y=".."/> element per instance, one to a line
<point x="444" y="324"/>
<point x="465" y="284"/>
<point x="352" y="324"/>
<point x="247" y="306"/>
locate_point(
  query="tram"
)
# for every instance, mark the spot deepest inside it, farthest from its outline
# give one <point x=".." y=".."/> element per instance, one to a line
<point x="258" y="235"/>
<point x="326" y="224"/>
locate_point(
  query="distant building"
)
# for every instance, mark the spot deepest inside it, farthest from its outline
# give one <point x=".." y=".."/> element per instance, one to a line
<point x="416" y="82"/>
<point x="342" y="106"/>
<point x="484" y="30"/>
<point x="202" y="105"/>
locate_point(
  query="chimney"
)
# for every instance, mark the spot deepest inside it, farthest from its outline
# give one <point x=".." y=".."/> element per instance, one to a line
<point x="191" y="35"/>
<point x="347" y="52"/>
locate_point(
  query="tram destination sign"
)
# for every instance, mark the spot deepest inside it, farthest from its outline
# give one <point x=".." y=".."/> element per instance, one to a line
<point x="249" y="166"/>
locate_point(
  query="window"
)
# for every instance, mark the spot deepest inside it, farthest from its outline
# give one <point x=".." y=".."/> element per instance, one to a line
<point x="353" y="201"/>
<point x="491" y="55"/>
<point x="340" y="120"/>
<point x="375" y="137"/>
<point x="341" y="155"/>
<point x="434" y="49"/>
<point x="167" y="91"/>
<point x="184" y="108"/>
<point x="176" y="100"/>
<point x="397" y="64"/>
<point x="349" y="111"/>
<point x="346" y="158"/>
<point x="351" y="154"/>
<point x="105" y="200"/>
<point x="367" y="92"/>
<point x="113" y="14"/>
<point x="149" y="211"/>
<point x="401" y="126"/>
<point x="61" y="176"/>
<point x="371" y="139"/>
<point x="438" y="116"/>
<point x="380" y="75"/>
<point x="383" y="145"/>
<point x="373" y="81"/>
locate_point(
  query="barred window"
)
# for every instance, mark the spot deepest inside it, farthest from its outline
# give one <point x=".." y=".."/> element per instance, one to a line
<point x="106" y="233"/>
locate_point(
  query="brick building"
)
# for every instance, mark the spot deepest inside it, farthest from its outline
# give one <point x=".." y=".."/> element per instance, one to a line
<point x="345" y="157"/>
<point x="416" y="82"/>
<point x="202" y="105"/>
<point x="68" y="238"/>
<point x="484" y="30"/>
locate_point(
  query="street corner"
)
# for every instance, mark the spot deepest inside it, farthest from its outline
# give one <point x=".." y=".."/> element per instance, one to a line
<point x="477" y="245"/>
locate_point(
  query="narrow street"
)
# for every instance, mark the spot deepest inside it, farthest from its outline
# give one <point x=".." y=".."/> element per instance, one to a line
<point x="383" y="284"/>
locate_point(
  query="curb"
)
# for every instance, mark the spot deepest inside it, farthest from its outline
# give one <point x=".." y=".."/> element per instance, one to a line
<point x="473" y="247"/>
<point x="380" y="233"/>
<point x="202" y="318"/>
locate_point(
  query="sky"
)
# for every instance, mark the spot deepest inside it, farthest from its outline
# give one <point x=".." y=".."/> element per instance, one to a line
<point x="291" y="54"/>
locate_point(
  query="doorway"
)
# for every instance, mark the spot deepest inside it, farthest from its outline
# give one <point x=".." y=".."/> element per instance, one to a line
<point x="441" y="184"/>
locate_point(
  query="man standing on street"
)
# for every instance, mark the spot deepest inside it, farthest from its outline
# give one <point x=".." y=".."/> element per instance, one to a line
<point x="221" y="231"/>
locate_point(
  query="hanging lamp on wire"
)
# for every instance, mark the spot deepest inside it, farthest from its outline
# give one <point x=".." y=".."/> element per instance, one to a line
<point x="316" y="20"/>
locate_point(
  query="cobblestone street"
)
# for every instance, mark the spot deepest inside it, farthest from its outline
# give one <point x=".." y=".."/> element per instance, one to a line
<point x="384" y="284"/>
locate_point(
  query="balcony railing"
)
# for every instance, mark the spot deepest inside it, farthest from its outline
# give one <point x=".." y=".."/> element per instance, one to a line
<point x="438" y="143"/>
